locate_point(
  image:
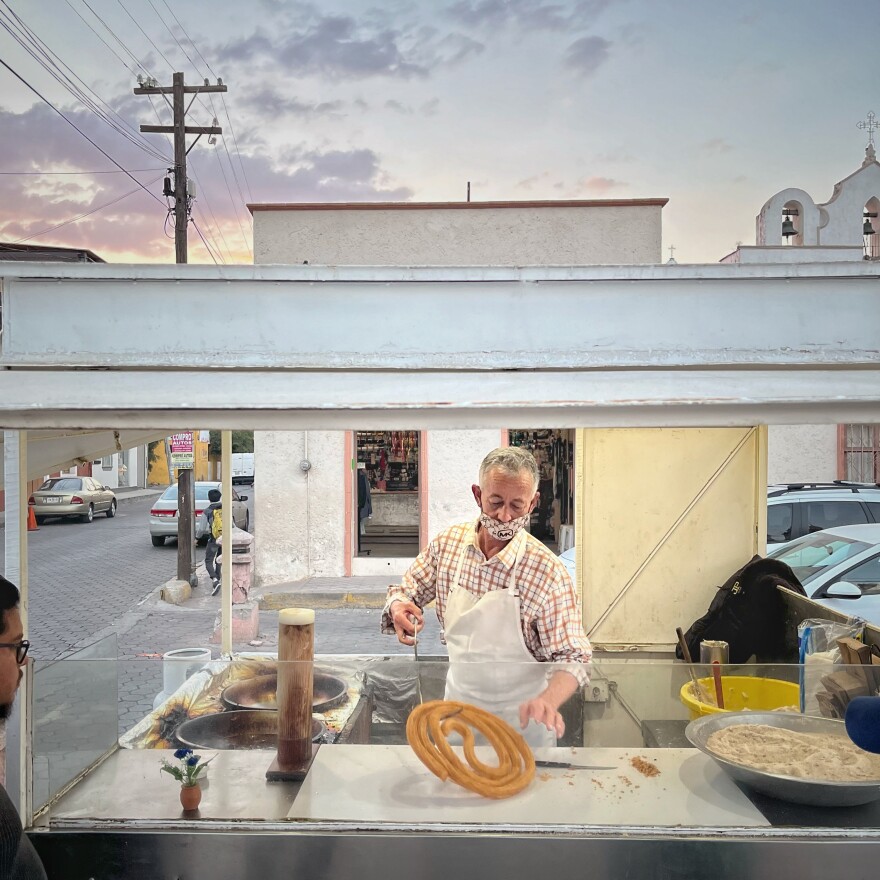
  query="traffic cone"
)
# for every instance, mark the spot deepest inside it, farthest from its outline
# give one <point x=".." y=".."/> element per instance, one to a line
<point x="32" y="520"/>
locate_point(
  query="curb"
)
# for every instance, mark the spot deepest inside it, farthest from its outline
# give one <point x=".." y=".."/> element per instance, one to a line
<point x="320" y="599"/>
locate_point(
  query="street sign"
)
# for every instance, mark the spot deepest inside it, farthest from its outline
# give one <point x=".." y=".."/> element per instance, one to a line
<point x="182" y="454"/>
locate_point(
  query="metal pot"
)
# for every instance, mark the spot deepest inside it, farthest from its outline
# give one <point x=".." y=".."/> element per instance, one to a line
<point x="259" y="692"/>
<point x="252" y="729"/>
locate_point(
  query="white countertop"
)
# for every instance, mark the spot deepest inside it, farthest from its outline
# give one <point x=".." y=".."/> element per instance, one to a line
<point x="373" y="784"/>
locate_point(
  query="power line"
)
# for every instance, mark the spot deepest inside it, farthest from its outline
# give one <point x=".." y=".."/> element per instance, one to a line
<point x="192" y="63"/>
<point x="210" y="69"/>
<point x="235" y="208"/>
<point x="80" y="216"/>
<point x="63" y="74"/>
<point x="149" y="38"/>
<point x="211" y="100"/>
<point x="70" y="173"/>
<point x="202" y="237"/>
<point x="73" y="125"/>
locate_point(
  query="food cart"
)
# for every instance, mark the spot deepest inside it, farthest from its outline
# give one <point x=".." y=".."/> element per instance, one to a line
<point x="641" y="346"/>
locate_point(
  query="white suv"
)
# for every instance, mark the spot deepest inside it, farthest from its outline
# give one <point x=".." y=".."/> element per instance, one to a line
<point x="799" y="509"/>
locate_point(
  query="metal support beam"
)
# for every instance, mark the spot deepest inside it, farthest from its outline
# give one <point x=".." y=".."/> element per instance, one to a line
<point x="19" y="768"/>
<point x="226" y="550"/>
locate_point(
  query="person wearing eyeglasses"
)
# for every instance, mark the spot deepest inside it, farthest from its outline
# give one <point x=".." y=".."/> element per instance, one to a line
<point x="18" y="858"/>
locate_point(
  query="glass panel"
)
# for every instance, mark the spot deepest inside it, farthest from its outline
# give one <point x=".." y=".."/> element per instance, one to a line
<point x="75" y="715"/>
<point x="623" y="746"/>
<point x="830" y="514"/>
<point x="778" y="523"/>
<point x="810" y="556"/>
<point x="63" y="484"/>
<point x="866" y="576"/>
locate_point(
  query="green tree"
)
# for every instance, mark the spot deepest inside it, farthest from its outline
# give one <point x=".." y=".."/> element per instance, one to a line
<point x="242" y="441"/>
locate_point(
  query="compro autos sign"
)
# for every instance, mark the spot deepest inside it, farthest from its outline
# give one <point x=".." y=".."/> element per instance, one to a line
<point x="182" y="455"/>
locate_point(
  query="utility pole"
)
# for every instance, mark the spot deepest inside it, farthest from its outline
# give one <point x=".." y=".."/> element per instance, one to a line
<point x="183" y="195"/>
<point x="180" y="130"/>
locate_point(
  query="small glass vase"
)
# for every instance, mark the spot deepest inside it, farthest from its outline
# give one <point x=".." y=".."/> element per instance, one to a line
<point x="190" y="797"/>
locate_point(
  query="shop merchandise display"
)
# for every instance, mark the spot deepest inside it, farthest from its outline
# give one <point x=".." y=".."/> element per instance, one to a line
<point x="428" y="728"/>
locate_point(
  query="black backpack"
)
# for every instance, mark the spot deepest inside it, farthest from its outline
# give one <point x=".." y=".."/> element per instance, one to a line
<point x="748" y="613"/>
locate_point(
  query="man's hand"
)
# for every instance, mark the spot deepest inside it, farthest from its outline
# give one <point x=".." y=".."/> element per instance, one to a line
<point x="407" y="619"/>
<point x="544" y="712"/>
<point x="545" y="707"/>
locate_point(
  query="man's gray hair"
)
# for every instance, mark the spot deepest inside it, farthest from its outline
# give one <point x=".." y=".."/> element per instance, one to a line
<point x="512" y="461"/>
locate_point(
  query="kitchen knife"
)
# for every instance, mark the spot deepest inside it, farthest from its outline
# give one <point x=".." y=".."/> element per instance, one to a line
<point x="563" y="765"/>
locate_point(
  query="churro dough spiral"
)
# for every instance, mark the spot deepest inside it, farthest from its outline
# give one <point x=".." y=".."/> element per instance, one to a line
<point x="431" y="723"/>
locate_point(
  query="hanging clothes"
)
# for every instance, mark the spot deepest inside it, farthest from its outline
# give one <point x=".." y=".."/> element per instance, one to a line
<point x="365" y="503"/>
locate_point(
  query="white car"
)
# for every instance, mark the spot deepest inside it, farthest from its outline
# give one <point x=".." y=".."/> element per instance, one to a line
<point x="567" y="558"/>
<point x="839" y="568"/>
<point x="163" y="515"/>
<point x="798" y="509"/>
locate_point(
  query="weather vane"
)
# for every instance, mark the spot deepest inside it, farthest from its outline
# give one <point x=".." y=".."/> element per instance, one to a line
<point x="871" y="125"/>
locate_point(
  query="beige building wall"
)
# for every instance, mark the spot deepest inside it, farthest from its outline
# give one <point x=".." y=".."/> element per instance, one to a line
<point x="802" y="454"/>
<point x="584" y="233"/>
<point x="302" y="514"/>
<point x="453" y="467"/>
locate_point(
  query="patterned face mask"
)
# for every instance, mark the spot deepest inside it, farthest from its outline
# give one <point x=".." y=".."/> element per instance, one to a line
<point x="503" y="531"/>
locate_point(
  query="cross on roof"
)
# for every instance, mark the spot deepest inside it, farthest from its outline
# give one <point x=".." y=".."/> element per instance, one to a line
<point x="671" y="251"/>
<point x="871" y="125"/>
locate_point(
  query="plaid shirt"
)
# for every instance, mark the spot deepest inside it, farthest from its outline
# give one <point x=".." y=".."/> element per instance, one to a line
<point x="550" y="612"/>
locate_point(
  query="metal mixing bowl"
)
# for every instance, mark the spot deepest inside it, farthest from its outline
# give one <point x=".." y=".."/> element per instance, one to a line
<point x="798" y="790"/>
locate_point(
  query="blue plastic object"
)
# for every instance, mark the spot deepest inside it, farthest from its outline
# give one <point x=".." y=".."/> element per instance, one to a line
<point x="863" y="723"/>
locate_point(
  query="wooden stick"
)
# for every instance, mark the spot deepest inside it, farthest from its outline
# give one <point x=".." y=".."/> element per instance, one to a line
<point x="296" y="654"/>
<point x="719" y="690"/>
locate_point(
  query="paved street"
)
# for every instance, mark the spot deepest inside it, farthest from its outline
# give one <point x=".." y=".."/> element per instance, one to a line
<point x="99" y="581"/>
<point x="84" y="577"/>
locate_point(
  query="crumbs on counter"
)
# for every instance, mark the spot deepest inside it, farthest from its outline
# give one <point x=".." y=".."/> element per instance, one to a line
<point x="597" y="782"/>
<point x="644" y="766"/>
<point x="625" y="780"/>
<point x="545" y="777"/>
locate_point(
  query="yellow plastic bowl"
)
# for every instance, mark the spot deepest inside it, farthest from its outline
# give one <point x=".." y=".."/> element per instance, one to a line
<point x="741" y="692"/>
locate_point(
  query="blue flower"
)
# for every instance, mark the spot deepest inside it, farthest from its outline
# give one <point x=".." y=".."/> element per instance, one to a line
<point x="182" y="753"/>
<point x="191" y="762"/>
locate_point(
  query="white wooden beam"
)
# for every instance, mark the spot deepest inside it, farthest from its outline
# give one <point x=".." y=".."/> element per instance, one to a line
<point x="288" y="318"/>
<point x="260" y="400"/>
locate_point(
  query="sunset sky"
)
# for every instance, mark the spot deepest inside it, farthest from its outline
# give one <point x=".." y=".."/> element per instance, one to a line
<point x="714" y="105"/>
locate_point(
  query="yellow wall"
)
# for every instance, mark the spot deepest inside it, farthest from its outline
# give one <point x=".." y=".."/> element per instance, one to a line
<point x="663" y="516"/>
<point x="157" y="475"/>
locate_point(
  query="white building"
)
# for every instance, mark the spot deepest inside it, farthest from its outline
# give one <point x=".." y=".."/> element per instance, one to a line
<point x="793" y="228"/>
<point x="306" y="481"/>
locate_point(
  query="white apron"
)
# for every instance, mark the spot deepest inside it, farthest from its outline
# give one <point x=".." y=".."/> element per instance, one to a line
<point x="489" y="663"/>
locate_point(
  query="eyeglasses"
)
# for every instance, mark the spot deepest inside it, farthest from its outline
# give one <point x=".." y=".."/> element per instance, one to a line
<point x="21" y="649"/>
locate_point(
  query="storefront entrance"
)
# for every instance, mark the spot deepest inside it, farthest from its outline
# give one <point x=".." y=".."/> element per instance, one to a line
<point x="553" y="518"/>
<point x="387" y="510"/>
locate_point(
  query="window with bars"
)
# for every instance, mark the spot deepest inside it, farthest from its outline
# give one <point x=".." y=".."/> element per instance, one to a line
<point x="860" y="453"/>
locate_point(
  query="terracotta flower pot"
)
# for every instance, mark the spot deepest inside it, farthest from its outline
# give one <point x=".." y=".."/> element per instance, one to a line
<point x="190" y="797"/>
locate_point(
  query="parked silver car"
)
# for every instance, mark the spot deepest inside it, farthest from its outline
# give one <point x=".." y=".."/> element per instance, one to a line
<point x="163" y="515"/>
<point x="80" y="497"/>
<point x="798" y="509"/>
